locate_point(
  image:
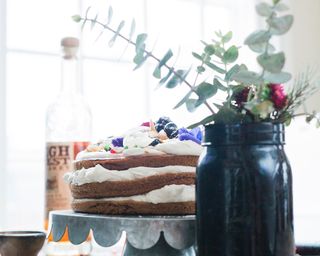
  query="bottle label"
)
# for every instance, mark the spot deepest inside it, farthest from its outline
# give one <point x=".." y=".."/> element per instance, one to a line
<point x="60" y="157"/>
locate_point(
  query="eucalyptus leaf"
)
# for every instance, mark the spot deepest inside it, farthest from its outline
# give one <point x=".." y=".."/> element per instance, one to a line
<point x="281" y="77"/>
<point x="86" y="16"/>
<point x="113" y="39"/>
<point x="165" y="79"/>
<point x="205" y="57"/>
<point x="131" y="33"/>
<point x="83" y="24"/>
<point x="260" y="48"/>
<point x="275" y="1"/>
<point x="204" y="43"/>
<point x="110" y="14"/>
<point x="231" y="55"/>
<point x="140" y="41"/>
<point x="206" y="90"/>
<point x="281" y="7"/>
<point x="219" y="85"/>
<point x="227" y="37"/>
<point x="76" y="18"/>
<point x="87" y="12"/>
<point x="219" y="51"/>
<point x="215" y="67"/>
<point x="204" y="121"/>
<point x="197" y="56"/>
<point x="184" y="99"/>
<point x="227" y="115"/>
<point x="229" y="75"/>
<point x="200" y="69"/>
<point x="280" y="25"/>
<point x="209" y="49"/>
<point x="273" y="62"/>
<point x="192" y="105"/>
<point x="165" y="58"/>
<point x="177" y="78"/>
<point x="258" y="37"/>
<point x="94" y="21"/>
<point x="140" y="59"/>
<point x="157" y="72"/>
<point x="248" y="77"/>
<point x="162" y="62"/>
<point x="264" y="9"/>
<point x="132" y="29"/>
<point x="218" y="34"/>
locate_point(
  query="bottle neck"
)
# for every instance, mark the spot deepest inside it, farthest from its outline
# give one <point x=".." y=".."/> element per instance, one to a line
<point x="70" y="82"/>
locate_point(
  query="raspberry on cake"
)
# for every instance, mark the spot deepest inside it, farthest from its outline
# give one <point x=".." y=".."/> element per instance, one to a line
<point x="148" y="170"/>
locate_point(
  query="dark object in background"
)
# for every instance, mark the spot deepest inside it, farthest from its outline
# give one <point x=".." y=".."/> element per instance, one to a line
<point x="28" y="243"/>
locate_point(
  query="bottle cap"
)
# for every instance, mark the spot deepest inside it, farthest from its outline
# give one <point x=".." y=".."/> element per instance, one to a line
<point x="70" y="42"/>
<point x="70" y="47"/>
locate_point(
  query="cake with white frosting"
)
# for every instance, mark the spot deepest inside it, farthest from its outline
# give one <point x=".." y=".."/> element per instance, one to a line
<point x="148" y="170"/>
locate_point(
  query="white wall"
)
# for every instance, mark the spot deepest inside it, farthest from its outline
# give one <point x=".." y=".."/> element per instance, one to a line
<point x="302" y="47"/>
<point x="302" y="44"/>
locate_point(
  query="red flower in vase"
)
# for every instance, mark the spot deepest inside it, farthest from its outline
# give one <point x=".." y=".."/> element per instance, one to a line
<point x="278" y="96"/>
<point x="242" y="96"/>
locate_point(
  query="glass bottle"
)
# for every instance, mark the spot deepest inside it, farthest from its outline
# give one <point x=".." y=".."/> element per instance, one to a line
<point x="68" y="131"/>
<point x="244" y="192"/>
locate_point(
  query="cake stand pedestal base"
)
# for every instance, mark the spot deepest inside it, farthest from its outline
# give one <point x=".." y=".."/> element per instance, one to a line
<point x="145" y="235"/>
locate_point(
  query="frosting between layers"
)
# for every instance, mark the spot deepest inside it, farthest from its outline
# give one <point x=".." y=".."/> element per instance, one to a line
<point x="166" y="194"/>
<point x="101" y="174"/>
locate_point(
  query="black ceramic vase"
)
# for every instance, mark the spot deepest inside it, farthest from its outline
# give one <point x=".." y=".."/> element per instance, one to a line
<point x="244" y="192"/>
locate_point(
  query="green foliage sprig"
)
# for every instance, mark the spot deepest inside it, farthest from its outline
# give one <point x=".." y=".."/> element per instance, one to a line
<point x="250" y="96"/>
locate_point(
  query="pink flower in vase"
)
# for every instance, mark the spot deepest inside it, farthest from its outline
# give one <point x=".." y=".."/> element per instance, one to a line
<point x="278" y="96"/>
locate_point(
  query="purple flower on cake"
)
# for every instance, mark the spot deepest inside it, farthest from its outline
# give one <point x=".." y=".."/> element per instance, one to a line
<point x="117" y="142"/>
<point x="195" y="134"/>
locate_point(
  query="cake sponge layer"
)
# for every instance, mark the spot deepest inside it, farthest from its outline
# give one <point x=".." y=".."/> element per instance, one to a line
<point x="133" y="208"/>
<point x="140" y="160"/>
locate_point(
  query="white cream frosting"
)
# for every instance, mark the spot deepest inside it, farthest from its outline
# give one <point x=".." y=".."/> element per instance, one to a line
<point x="173" y="146"/>
<point x="177" y="147"/>
<point x="101" y="174"/>
<point x="166" y="194"/>
<point x="85" y="155"/>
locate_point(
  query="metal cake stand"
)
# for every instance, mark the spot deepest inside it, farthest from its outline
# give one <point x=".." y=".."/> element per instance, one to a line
<point x="145" y="235"/>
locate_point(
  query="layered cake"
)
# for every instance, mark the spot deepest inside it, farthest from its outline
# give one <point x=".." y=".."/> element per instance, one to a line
<point x="148" y="170"/>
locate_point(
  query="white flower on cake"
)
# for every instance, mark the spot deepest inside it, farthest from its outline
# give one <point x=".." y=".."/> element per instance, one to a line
<point x="137" y="139"/>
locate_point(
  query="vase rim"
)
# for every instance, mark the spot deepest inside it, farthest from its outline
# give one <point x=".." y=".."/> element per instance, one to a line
<point x="263" y="133"/>
<point x="245" y="124"/>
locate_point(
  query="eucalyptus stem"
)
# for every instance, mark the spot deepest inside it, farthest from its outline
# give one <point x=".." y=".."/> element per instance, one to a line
<point x="197" y="75"/>
<point x="267" y="47"/>
<point x="149" y="53"/>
